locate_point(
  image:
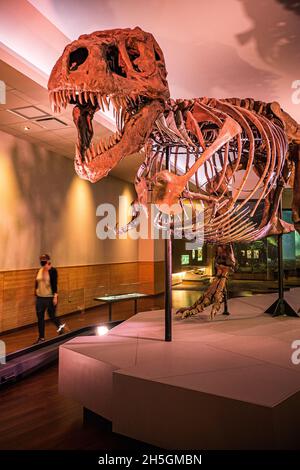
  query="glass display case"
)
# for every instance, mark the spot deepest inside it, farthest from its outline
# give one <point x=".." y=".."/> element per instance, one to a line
<point x="258" y="260"/>
<point x="184" y="259"/>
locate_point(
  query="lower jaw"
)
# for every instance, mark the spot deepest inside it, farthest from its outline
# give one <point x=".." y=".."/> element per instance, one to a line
<point x="136" y="132"/>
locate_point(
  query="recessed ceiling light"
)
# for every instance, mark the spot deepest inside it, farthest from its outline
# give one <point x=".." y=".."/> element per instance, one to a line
<point x="51" y="123"/>
<point x="26" y="128"/>
<point x="29" y="112"/>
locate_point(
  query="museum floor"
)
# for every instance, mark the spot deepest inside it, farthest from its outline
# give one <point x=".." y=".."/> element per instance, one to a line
<point x="28" y="422"/>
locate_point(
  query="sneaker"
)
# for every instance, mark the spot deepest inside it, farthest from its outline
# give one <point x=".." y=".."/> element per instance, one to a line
<point x="39" y="340"/>
<point x="60" y="329"/>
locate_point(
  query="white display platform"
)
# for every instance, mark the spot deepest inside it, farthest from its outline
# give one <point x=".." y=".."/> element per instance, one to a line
<point x="226" y="384"/>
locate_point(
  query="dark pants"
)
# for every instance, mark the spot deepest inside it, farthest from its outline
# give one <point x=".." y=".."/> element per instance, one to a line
<point x="43" y="304"/>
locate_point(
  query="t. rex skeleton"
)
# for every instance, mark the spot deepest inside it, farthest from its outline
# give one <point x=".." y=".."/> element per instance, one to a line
<point x="208" y="141"/>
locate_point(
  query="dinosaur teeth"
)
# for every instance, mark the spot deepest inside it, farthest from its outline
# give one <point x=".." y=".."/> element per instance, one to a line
<point x="52" y="103"/>
<point x="117" y="100"/>
<point x="108" y="142"/>
<point x="57" y="101"/>
<point x="92" y="98"/>
<point x="55" y="98"/>
<point x="106" y="102"/>
<point x="123" y="102"/>
<point x="100" y="102"/>
<point x="126" y="117"/>
<point x="94" y="151"/>
<point x="120" y="101"/>
<point x="59" y="97"/>
<point x="62" y="97"/>
<point x="65" y="97"/>
<point x="135" y="100"/>
<point x="102" y="146"/>
<point x="115" y="105"/>
<point x="88" y="154"/>
<point x="118" y="119"/>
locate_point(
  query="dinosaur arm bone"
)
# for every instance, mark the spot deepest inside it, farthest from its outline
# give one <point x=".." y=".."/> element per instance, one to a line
<point x="168" y="186"/>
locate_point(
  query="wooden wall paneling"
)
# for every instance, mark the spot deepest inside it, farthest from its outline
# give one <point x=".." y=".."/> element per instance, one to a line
<point x="75" y="300"/>
<point x="1" y="299"/>
<point x="146" y="277"/>
<point x="97" y="283"/>
<point x="77" y="286"/>
<point x="25" y="298"/>
<point x="18" y="298"/>
<point x="159" y="277"/>
<point x="151" y="303"/>
<point x="124" y="278"/>
<point x="63" y="291"/>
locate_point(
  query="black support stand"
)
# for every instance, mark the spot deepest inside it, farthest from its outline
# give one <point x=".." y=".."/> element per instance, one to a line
<point x="168" y="272"/>
<point x="280" y="306"/>
<point x="226" y="311"/>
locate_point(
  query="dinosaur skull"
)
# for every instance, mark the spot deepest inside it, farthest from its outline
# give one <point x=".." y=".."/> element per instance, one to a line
<point x="124" y="68"/>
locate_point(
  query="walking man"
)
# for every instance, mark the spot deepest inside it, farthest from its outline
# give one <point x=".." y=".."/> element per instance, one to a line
<point x="46" y="296"/>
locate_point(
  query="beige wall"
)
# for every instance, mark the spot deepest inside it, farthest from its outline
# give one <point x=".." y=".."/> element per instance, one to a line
<point x="45" y="207"/>
<point x="151" y="249"/>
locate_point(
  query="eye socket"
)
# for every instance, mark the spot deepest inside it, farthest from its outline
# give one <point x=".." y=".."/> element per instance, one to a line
<point x="133" y="54"/>
<point x="77" y="58"/>
<point x="112" y="57"/>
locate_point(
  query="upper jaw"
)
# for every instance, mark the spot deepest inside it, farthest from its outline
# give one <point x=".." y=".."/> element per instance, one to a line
<point x="62" y="96"/>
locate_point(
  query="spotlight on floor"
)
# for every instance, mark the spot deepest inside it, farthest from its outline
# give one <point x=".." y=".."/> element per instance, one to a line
<point x="102" y="330"/>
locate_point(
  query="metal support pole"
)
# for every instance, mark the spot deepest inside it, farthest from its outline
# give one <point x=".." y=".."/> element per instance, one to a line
<point x="280" y="267"/>
<point x="168" y="272"/>
<point x="226" y="311"/>
<point x="280" y="306"/>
